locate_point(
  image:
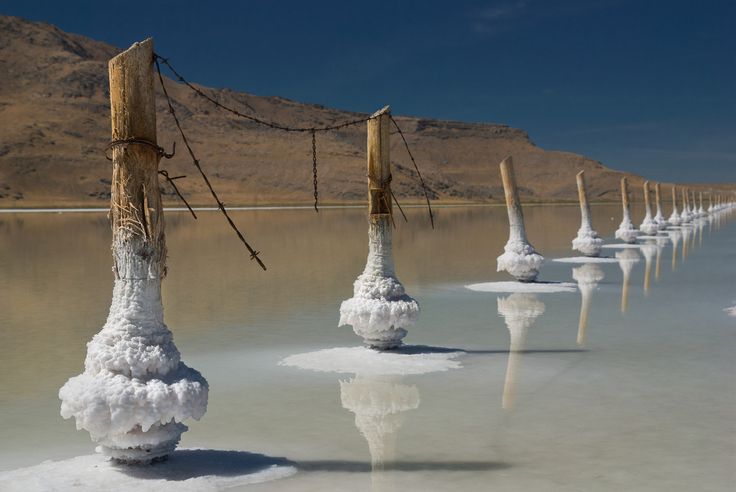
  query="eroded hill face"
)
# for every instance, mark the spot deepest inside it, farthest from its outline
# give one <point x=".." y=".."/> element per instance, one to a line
<point x="55" y="124"/>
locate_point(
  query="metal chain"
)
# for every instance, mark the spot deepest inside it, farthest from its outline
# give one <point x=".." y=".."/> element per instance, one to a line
<point x="314" y="169"/>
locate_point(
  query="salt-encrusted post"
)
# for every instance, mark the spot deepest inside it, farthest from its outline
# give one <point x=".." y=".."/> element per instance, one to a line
<point x="587" y="241"/>
<point x="626" y="230"/>
<point x="135" y="392"/>
<point x="685" y="215"/>
<point x="519" y="257"/>
<point x="674" y="219"/>
<point x="648" y="226"/>
<point x="380" y="309"/>
<point x="659" y="217"/>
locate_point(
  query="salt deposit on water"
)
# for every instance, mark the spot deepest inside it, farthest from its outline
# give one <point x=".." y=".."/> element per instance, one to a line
<point x="185" y="470"/>
<point x="362" y="360"/>
<point x="523" y="287"/>
<point x="586" y="259"/>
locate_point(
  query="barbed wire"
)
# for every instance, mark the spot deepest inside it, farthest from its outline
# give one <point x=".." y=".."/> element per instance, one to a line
<point x="302" y="129"/>
<point x="253" y="253"/>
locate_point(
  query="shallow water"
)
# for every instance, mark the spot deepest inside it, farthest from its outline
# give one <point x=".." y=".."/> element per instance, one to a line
<point x="641" y="400"/>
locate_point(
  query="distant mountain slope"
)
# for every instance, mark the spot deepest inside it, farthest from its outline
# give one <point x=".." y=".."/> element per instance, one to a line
<point x="54" y="125"/>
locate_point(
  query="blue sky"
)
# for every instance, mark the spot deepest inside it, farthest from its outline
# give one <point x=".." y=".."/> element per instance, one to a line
<point x="643" y="86"/>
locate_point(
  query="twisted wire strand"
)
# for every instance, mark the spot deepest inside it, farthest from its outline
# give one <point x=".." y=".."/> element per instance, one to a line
<point x="253" y="253"/>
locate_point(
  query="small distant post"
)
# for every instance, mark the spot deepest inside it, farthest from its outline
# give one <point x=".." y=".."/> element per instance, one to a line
<point x="519" y="257"/>
<point x="587" y="241"/>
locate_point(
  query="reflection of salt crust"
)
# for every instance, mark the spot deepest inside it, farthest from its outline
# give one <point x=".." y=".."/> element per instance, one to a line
<point x="135" y="390"/>
<point x="731" y="311"/>
<point x="651" y="237"/>
<point x="518" y="287"/>
<point x="519" y="310"/>
<point x="364" y="361"/>
<point x="378" y="404"/>
<point x="93" y="473"/>
<point x="585" y="259"/>
<point x="380" y="309"/>
<point x="520" y="260"/>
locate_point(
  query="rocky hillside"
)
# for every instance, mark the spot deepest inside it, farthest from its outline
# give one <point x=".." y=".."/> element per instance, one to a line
<point x="54" y="126"/>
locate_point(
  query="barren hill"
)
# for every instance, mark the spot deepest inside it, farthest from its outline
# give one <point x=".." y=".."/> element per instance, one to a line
<point x="55" y="124"/>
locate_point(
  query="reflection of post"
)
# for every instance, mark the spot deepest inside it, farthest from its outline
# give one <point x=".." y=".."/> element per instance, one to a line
<point x="649" y="250"/>
<point x="675" y="236"/>
<point x="519" y="257"/>
<point x="380" y="310"/>
<point x="626" y="260"/>
<point x="379" y="404"/>
<point x="587" y="241"/>
<point x="587" y="277"/>
<point x="626" y="230"/>
<point x="661" y="241"/>
<point x="685" y="241"/>
<point x="519" y="311"/>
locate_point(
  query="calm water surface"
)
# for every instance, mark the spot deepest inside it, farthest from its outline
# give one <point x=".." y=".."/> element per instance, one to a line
<point x="637" y="400"/>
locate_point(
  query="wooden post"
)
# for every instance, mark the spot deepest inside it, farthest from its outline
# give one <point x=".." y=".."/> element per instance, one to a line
<point x="674" y="199"/>
<point x="625" y="196"/>
<point x="657" y="195"/>
<point x="647" y="203"/>
<point x="139" y="245"/>
<point x="513" y="203"/>
<point x="583" y="198"/>
<point x="379" y="164"/>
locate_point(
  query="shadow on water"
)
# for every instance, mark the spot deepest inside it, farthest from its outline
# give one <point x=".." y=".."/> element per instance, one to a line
<point x="185" y="464"/>
<point x="427" y="349"/>
<point x="364" y="467"/>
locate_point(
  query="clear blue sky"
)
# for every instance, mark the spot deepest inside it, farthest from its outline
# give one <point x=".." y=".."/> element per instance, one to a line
<point x="644" y="86"/>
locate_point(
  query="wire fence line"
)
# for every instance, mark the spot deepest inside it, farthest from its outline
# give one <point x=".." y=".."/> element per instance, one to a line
<point x="313" y="130"/>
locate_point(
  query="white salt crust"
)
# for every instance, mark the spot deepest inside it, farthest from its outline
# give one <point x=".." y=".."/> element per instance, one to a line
<point x="520" y="260"/>
<point x="626" y="231"/>
<point x="586" y="259"/>
<point x="185" y="470"/>
<point x="523" y="287"/>
<point x="134" y="391"/>
<point x="587" y="242"/>
<point x="364" y="361"/>
<point x="731" y="311"/>
<point x="380" y="308"/>
<point x="648" y="225"/>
